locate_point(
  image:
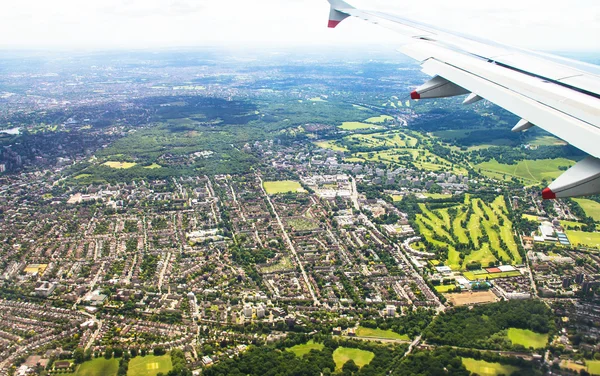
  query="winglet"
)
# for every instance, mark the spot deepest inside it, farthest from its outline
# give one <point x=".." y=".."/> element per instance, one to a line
<point x="337" y="14"/>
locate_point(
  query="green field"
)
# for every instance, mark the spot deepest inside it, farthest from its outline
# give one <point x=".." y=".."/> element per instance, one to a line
<point x="284" y="186"/>
<point x="584" y="239"/>
<point x="153" y="166"/>
<point x="530" y="217"/>
<point x="532" y="172"/>
<point x="379" y="119"/>
<point x="483" y="368"/>
<point x="317" y="99"/>
<point x="591" y="208"/>
<point x="98" y="367"/>
<point x="354" y="125"/>
<point x="527" y="338"/>
<point x="149" y="365"/>
<point x="120" y="165"/>
<point x="593" y="366"/>
<point x="444" y="288"/>
<point x="330" y="145"/>
<point x="83" y="176"/>
<point x="301" y="350"/>
<point x="343" y="354"/>
<point x="470" y="222"/>
<point x="379" y="333"/>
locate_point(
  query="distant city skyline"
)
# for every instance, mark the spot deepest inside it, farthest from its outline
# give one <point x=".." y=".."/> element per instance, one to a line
<point x="94" y="24"/>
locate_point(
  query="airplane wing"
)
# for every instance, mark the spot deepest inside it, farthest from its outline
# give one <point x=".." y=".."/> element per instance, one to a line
<point x="559" y="95"/>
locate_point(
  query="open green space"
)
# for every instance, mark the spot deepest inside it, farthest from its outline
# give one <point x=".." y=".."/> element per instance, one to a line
<point x="473" y="232"/>
<point x="593" y="366"/>
<point x="483" y="368"/>
<point x="330" y="145"/>
<point x="343" y="354"/>
<point x="149" y="365"/>
<point x="153" y="166"/>
<point x="531" y="171"/>
<point x="590" y="207"/>
<point x="83" y="176"/>
<point x="379" y="119"/>
<point x="584" y="239"/>
<point x="530" y="217"/>
<point x="317" y="99"/>
<point x="301" y="350"/>
<point x="98" y="367"/>
<point x="120" y="165"/>
<point x="380" y="333"/>
<point x="527" y="338"/>
<point x="547" y="141"/>
<point x="284" y="186"/>
<point x="444" y="288"/>
<point x="354" y="125"/>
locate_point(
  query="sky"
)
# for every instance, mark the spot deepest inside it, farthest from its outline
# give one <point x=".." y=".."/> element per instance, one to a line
<point x="137" y="24"/>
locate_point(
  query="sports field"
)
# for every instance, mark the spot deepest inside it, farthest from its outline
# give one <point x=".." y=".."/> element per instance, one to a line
<point x="532" y="172"/>
<point x="343" y="354"/>
<point x="35" y="268"/>
<point x="483" y="368"/>
<point x="354" y="125"/>
<point x="301" y="350"/>
<point x="98" y="367"/>
<point x="284" y="186"/>
<point x="120" y="165"/>
<point x="593" y="366"/>
<point x="527" y="338"/>
<point x="149" y="365"/>
<point x="379" y="333"/>
<point x="591" y="208"/>
<point x="468" y="298"/>
<point x="444" y="288"/>
<point x="584" y="239"/>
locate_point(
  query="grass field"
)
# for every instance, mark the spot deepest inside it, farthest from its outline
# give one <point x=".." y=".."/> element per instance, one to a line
<point x="379" y="333"/>
<point x="593" y="366"/>
<point x="379" y="119"/>
<point x="354" y="125"/>
<point x="153" y="166"/>
<point x="83" y="176"/>
<point x="149" y="365"/>
<point x="284" y="186"/>
<point x="301" y="350"/>
<point x="442" y="229"/>
<point x="444" y="288"/>
<point x="532" y="172"/>
<point x="343" y="354"/>
<point x="483" y="368"/>
<point x="120" y="165"/>
<point x="98" y="367"/>
<point x="547" y="141"/>
<point x="530" y="217"/>
<point x="584" y="239"/>
<point x="317" y="99"/>
<point x="527" y="338"/>
<point x="330" y="145"/>
<point x="591" y="208"/>
<point x="283" y="264"/>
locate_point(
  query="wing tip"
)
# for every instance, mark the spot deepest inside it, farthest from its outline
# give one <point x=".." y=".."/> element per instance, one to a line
<point x="333" y="24"/>
<point x="547" y="194"/>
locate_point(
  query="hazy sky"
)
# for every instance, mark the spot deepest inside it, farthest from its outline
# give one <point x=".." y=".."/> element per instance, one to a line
<point x="538" y="24"/>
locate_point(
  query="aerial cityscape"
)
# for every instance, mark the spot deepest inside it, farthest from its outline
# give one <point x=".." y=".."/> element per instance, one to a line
<point x="281" y="212"/>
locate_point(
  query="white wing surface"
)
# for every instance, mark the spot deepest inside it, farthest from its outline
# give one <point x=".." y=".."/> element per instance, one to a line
<point x="559" y="95"/>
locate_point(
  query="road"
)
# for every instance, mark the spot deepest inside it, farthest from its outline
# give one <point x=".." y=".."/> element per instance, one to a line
<point x="290" y="244"/>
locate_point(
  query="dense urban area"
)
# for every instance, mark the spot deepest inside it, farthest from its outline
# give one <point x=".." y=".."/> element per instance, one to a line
<point x="281" y="213"/>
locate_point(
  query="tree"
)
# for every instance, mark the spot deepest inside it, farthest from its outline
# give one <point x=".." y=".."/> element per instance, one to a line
<point x="78" y="355"/>
<point x="108" y="352"/>
<point x="349" y="367"/>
